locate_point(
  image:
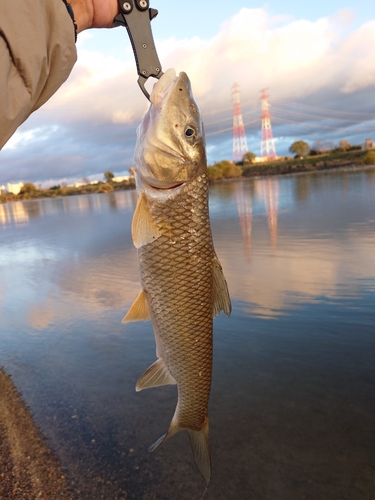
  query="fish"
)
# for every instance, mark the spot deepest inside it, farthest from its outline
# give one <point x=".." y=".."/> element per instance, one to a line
<point x="182" y="282"/>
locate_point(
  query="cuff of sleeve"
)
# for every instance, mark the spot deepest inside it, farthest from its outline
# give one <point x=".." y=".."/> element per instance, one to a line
<point x="69" y="8"/>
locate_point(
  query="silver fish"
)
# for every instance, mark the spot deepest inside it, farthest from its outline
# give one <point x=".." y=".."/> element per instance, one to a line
<point x="183" y="286"/>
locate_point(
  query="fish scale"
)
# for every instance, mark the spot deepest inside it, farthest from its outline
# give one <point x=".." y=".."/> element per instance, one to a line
<point x="176" y="273"/>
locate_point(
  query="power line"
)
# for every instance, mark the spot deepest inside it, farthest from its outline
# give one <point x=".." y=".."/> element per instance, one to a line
<point x="321" y="117"/>
<point x="292" y="113"/>
<point x="227" y="119"/>
<point x="229" y="108"/>
<point x="230" y="128"/>
<point x="317" y="125"/>
<point x="315" y="108"/>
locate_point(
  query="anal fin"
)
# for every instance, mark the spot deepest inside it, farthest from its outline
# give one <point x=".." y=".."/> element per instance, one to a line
<point x="139" y="311"/>
<point x="156" y="375"/>
<point x="220" y="296"/>
<point x="144" y="228"/>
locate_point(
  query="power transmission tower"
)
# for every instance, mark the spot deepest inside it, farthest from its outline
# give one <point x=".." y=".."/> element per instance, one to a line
<point x="267" y="143"/>
<point x="239" y="137"/>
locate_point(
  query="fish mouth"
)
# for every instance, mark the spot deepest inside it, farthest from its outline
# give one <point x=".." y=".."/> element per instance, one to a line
<point x="168" y="188"/>
<point x="166" y="85"/>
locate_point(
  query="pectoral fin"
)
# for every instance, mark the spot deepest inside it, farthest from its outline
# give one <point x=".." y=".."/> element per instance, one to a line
<point x="220" y="295"/>
<point x="144" y="229"/>
<point x="157" y="374"/>
<point x="139" y="310"/>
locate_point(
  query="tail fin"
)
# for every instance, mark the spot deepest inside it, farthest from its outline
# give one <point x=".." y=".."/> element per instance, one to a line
<point x="199" y="444"/>
<point x="201" y="450"/>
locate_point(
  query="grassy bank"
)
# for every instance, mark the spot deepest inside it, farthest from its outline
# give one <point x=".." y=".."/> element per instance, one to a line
<point x="310" y="163"/>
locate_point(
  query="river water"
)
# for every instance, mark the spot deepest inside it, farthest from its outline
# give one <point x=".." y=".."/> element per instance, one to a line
<point x="292" y="409"/>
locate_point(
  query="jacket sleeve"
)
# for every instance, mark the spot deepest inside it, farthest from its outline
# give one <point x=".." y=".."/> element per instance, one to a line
<point x="37" y="54"/>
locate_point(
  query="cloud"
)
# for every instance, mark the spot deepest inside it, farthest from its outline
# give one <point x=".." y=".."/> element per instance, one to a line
<point x="358" y="48"/>
<point x="90" y="123"/>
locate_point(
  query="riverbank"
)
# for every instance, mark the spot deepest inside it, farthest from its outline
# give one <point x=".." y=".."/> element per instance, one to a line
<point x="219" y="172"/>
<point x="317" y="163"/>
<point x="30" y="192"/>
<point x="28" y="469"/>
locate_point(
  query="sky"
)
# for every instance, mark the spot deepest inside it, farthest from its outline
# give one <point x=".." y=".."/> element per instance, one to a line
<point x="315" y="58"/>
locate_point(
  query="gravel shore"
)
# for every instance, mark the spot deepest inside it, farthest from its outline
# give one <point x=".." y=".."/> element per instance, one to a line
<point x="28" y="469"/>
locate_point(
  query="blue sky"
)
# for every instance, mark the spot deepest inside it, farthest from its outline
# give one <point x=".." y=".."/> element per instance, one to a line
<point x="316" y="58"/>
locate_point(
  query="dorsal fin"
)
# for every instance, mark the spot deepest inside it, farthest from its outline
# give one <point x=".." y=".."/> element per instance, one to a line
<point x="144" y="229"/>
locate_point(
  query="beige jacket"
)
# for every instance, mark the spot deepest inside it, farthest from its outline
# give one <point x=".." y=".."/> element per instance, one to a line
<point x="37" y="54"/>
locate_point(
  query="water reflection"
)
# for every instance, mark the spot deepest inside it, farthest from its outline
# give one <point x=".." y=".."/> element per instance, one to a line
<point x="282" y="241"/>
<point x="296" y="356"/>
<point x="245" y="214"/>
<point x="270" y="189"/>
<point x="13" y="214"/>
<point x="18" y="213"/>
<point x="318" y="246"/>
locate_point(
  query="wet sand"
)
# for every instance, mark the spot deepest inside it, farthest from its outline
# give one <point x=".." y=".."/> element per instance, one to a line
<point x="28" y="469"/>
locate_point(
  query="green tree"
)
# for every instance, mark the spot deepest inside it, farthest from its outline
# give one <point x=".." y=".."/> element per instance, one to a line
<point x="28" y="187"/>
<point x="248" y="158"/>
<point x="105" y="188"/>
<point x="299" y="148"/>
<point x="369" y="158"/>
<point x="344" y="144"/>
<point x="214" y="173"/>
<point x="108" y="175"/>
<point x="230" y="169"/>
<point x="224" y="170"/>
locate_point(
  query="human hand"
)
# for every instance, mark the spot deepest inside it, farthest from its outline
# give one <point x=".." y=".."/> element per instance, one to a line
<point x="94" y="13"/>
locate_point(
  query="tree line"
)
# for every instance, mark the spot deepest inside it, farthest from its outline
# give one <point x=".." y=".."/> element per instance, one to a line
<point x="306" y="158"/>
<point x="302" y="148"/>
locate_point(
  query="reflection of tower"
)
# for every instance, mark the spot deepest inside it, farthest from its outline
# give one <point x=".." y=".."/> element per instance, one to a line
<point x="239" y="137"/>
<point x="271" y="201"/>
<point x="4" y="214"/>
<point x="267" y="144"/>
<point x="20" y="216"/>
<point x="246" y="215"/>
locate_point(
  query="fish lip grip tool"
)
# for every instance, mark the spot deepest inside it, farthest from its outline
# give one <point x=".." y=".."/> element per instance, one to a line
<point x="136" y="16"/>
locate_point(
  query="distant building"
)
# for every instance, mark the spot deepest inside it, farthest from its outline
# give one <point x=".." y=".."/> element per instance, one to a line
<point x="3" y="189"/>
<point x="260" y="159"/>
<point x="94" y="182"/>
<point x="121" y="179"/>
<point x="369" y="144"/>
<point x="14" y="188"/>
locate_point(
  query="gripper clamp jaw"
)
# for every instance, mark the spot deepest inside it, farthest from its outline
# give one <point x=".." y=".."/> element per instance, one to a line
<point x="136" y="16"/>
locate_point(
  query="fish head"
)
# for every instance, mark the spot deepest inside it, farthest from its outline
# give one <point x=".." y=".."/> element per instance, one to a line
<point x="170" y="148"/>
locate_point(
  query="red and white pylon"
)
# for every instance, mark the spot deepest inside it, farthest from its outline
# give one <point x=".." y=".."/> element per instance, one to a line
<point x="239" y="136"/>
<point x="267" y="143"/>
